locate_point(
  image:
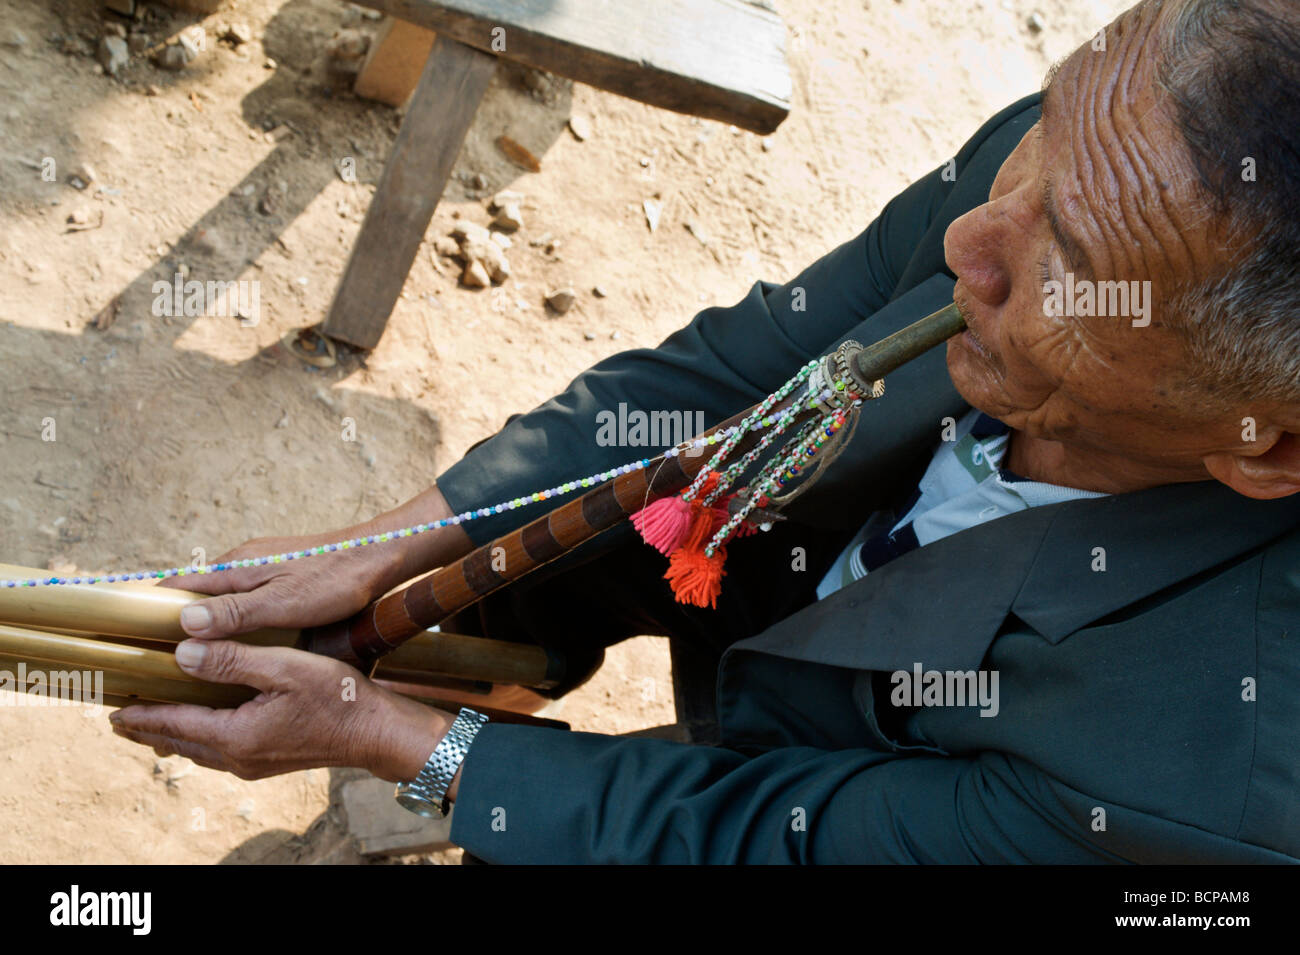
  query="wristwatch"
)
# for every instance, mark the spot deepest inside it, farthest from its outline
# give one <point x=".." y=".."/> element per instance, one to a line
<point x="426" y="794"/>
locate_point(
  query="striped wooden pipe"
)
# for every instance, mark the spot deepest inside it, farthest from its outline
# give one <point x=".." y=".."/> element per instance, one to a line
<point x="387" y="623"/>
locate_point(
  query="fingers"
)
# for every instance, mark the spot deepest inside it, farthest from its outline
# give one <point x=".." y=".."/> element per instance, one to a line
<point x="169" y="746"/>
<point x="230" y="614"/>
<point x="268" y="669"/>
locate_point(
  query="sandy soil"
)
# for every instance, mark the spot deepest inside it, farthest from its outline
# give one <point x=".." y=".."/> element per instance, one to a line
<point x="175" y="433"/>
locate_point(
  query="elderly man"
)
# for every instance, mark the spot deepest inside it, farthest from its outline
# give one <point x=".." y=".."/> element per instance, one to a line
<point x="1090" y="499"/>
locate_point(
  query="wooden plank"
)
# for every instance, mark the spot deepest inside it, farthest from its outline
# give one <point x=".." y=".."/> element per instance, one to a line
<point x="394" y="63"/>
<point x="721" y="59"/>
<point x="440" y="112"/>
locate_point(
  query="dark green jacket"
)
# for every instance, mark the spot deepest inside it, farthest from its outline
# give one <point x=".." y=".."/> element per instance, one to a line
<point x="1149" y="712"/>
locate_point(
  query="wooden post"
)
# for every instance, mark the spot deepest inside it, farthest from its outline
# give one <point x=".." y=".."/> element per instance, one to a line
<point x="442" y="107"/>
<point x="392" y="67"/>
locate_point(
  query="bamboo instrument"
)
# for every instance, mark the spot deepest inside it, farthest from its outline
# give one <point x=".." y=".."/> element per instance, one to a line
<point x="126" y="631"/>
<point x="388" y="623"/>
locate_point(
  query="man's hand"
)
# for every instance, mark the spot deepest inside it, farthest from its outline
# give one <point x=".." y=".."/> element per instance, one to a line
<point x="312" y="711"/>
<point x="321" y="589"/>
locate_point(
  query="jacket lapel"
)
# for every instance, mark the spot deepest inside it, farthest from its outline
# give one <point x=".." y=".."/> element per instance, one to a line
<point x="1151" y="539"/>
<point x="942" y="605"/>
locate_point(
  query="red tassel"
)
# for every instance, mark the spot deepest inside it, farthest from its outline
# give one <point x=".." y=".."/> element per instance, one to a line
<point x="694" y="578"/>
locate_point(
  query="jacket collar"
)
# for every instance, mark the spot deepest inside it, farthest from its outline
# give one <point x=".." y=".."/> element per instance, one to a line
<point x="942" y="605"/>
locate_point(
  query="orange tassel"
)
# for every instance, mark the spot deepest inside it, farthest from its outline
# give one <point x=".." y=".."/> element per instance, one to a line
<point x="694" y="578"/>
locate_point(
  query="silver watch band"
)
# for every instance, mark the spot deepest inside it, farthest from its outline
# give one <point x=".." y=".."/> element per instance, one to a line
<point x="426" y="795"/>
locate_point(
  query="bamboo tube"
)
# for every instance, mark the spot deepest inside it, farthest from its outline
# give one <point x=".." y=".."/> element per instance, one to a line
<point x="140" y="689"/>
<point x="129" y="610"/>
<point x="148" y="614"/>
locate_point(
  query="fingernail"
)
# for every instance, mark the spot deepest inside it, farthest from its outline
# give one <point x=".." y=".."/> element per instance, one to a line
<point x="196" y="617"/>
<point x="190" y="654"/>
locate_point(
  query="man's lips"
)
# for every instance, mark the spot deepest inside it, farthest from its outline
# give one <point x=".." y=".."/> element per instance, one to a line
<point x="976" y="344"/>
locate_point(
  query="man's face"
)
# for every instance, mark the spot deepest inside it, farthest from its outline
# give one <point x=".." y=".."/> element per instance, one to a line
<point x="1100" y="189"/>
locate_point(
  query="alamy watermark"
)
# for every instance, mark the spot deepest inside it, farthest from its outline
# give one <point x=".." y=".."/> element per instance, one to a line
<point x="917" y="687"/>
<point x="237" y="298"/>
<point x="53" y="688"/>
<point x="1084" y="298"/>
<point x="654" y="429"/>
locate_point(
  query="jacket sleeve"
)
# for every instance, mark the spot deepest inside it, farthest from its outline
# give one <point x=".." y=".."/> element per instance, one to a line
<point x="537" y="795"/>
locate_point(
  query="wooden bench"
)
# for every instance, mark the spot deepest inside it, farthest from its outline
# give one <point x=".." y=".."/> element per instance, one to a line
<point x="718" y="59"/>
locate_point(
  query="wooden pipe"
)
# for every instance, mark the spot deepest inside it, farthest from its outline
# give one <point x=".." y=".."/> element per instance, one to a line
<point x="384" y="626"/>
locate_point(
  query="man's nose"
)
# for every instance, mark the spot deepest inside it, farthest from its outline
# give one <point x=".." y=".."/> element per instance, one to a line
<point x="977" y="247"/>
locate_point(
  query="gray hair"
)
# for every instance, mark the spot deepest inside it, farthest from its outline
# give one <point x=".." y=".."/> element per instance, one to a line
<point x="1232" y="69"/>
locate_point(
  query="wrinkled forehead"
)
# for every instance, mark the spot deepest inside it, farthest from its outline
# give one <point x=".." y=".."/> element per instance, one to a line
<point x="1121" y="175"/>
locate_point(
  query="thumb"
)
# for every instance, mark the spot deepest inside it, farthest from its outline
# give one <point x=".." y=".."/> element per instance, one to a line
<point x="229" y="661"/>
<point x="226" y="615"/>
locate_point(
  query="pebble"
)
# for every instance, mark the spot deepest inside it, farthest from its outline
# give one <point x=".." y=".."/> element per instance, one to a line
<point x="509" y="217"/>
<point x="237" y="33"/>
<point x="652" y="210"/>
<point x="115" y="29"/>
<point x="561" y="299"/>
<point x="446" y="245"/>
<point x="599" y="291"/>
<point x="478" y="182"/>
<point x="588" y="336"/>
<point x="504" y="198"/>
<point x="174" y="57"/>
<point x="464" y="230"/>
<point x="501" y="239"/>
<point x="1036" y="22"/>
<point x="767" y="144"/>
<point x="580" y="127"/>
<point x="14" y="39"/>
<point x="284" y="420"/>
<point x="113" y="54"/>
<point x="475" y="275"/>
<point x="82" y="176"/>
<point x="615" y="336"/>
<point x="138" y="42"/>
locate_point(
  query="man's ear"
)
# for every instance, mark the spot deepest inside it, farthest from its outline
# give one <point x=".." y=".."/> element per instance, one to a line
<point x="1273" y="474"/>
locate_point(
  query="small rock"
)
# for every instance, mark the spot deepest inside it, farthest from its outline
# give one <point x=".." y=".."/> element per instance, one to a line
<point x="245" y="809"/>
<point x="113" y="54"/>
<point x="615" y="336"/>
<point x="13" y="39"/>
<point x="767" y="144"/>
<point x="79" y="216"/>
<point x="504" y="198"/>
<point x="588" y="336"/>
<point x="174" y="57"/>
<point x="580" y="127"/>
<point x="266" y="204"/>
<point x="446" y="246"/>
<point x="268" y="64"/>
<point x="284" y="420"/>
<point x="696" y="230"/>
<point x="652" y="209"/>
<point x="464" y="230"/>
<point x="115" y="29"/>
<point x="237" y="34"/>
<point x="561" y="299"/>
<point x="478" y="182"/>
<point x="208" y="241"/>
<point x="475" y="275"/>
<point x="85" y="173"/>
<point x="509" y="217"/>
<point x="1036" y="22"/>
<point x="138" y="42"/>
<point x="153" y="89"/>
<point x="347" y="45"/>
<point x="599" y="291"/>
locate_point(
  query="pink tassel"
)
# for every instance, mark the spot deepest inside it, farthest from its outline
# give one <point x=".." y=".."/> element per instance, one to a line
<point x="664" y="524"/>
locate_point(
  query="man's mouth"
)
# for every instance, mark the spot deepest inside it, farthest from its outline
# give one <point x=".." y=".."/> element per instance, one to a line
<point x="970" y="337"/>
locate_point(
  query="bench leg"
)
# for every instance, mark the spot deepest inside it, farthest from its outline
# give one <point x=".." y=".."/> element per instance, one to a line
<point x="442" y="107"/>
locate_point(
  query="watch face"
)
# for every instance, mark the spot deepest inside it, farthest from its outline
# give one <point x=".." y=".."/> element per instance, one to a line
<point x="417" y="804"/>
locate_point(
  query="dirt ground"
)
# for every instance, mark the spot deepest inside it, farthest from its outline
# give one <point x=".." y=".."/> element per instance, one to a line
<point x="177" y="432"/>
